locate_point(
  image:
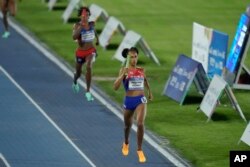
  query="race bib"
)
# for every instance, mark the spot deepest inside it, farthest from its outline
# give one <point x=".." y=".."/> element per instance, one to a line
<point x="88" y="36"/>
<point x="136" y="84"/>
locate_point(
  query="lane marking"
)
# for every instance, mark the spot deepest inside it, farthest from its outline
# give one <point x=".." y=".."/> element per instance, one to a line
<point x="4" y="160"/>
<point x="46" y="116"/>
<point x="176" y="160"/>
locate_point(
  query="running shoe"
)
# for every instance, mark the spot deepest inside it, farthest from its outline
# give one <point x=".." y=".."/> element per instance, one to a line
<point x="75" y="88"/>
<point x="125" y="149"/>
<point x="6" y="34"/>
<point x="141" y="156"/>
<point x="88" y="96"/>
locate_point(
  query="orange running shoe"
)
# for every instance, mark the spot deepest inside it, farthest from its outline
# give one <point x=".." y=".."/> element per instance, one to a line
<point x="125" y="149"/>
<point x="141" y="156"/>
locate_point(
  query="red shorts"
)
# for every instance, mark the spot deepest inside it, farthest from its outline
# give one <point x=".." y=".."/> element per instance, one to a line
<point x="84" y="53"/>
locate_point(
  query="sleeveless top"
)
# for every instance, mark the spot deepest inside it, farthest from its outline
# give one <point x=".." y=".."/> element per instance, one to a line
<point x="88" y="35"/>
<point x="134" y="80"/>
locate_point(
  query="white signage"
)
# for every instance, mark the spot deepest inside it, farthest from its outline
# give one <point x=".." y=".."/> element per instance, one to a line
<point x="131" y="38"/>
<point x="110" y="28"/>
<point x="212" y="95"/>
<point x="246" y="135"/>
<point x="51" y="4"/>
<point x="202" y="37"/>
<point x="96" y="12"/>
<point x="70" y="8"/>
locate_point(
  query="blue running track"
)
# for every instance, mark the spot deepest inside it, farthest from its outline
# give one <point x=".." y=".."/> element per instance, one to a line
<point x="44" y="124"/>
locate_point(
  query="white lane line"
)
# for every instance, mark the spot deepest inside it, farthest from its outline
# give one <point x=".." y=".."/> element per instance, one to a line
<point x="4" y="160"/>
<point x="53" y="58"/>
<point x="46" y="116"/>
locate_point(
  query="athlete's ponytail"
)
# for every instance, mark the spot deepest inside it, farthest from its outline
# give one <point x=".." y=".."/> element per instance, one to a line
<point x="125" y="53"/>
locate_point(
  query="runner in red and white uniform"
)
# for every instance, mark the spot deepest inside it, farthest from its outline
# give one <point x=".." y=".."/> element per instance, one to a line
<point x="7" y="6"/>
<point x="84" y="33"/>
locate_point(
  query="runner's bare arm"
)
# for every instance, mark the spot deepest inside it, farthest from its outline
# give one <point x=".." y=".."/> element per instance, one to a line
<point x="97" y="39"/>
<point x="120" y="77"/>
<point x="146" y="83"/>
<point x="76" y="31"/>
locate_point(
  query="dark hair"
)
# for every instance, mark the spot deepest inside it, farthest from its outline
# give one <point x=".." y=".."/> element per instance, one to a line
<point x="83" y="8"/>
<point x="134" y="49"/>
<point x="126" y="50"/>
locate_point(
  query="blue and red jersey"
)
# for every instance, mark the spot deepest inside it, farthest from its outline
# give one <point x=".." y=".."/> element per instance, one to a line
<point x="134" y="79"/>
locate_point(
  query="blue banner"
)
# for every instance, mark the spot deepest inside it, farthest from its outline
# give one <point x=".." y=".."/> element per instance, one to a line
<point x="217" y="53"/>
<point x="237" y="48"/>
<point x="181" y="78"/>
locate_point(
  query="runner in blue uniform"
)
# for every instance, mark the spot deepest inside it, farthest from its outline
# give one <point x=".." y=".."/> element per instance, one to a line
<point x="134" y="81"/>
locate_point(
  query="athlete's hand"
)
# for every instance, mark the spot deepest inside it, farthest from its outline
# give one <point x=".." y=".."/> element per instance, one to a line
<point x="150" y="96"/>
<point x="123" y="72"/>
<point x="97" y="43"/>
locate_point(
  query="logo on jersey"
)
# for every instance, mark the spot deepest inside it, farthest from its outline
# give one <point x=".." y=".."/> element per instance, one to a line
<point x="144" y="100"/>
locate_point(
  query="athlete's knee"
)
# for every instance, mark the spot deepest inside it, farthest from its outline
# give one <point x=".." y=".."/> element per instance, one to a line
<point x="140" y="124"/>
<point x="127" y="124"/>
<point x="127" y="127"/>
<point x="88" y="68"/>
